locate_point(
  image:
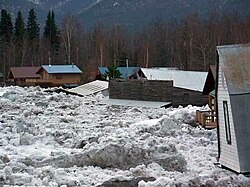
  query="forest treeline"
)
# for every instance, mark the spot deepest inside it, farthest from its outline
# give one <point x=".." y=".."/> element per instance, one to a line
<point x="189" y="44"/>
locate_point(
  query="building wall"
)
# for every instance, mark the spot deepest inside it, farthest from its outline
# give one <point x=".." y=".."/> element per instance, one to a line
<point x="145" y="90"/>
<point x="65" y="78"/>
<point x="186" y="97"/>
<point x="229" y="153"/>
<point x="58" y="79"/>
<point x="155" y="90"/>
<point x="240" y="109"/>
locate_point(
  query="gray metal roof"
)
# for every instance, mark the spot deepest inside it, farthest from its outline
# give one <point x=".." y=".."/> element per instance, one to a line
<point x="57" y="69"/>
<point x="234" y="61"/>
<point x="90" y="88"/>
<point x="191" y="80"/>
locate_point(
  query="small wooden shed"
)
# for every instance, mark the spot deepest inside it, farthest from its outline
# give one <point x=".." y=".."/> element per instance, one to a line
<point x="233" y="106"/>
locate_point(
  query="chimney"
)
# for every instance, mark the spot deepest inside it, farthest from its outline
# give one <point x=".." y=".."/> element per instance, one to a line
<point x="49" y="59"/>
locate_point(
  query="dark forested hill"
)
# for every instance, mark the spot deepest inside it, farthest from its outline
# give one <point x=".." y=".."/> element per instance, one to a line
<point x="129" y="13"/>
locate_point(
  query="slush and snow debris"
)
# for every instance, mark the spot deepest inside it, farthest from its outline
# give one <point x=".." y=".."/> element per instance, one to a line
<point x="54" y="139"/>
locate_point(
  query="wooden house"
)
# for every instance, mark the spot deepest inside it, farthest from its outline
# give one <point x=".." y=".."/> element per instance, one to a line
<point x="59" y="75"/>
<point x="187" y="85"/>
<point x="23" y="76"/>
<point x="233" y="106"/>
<point x="207" y="118"/>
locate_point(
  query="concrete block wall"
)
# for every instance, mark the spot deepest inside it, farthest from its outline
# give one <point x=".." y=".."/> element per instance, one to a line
<point x="186" y="97"/>
<point x="155" y="90"/>
<point x="145" y="90"/>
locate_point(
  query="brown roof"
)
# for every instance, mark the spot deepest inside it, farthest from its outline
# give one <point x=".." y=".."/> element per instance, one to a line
<point x="210" y="80"/>
<point x="24" y="72"/>
<point x="213" y="70"/>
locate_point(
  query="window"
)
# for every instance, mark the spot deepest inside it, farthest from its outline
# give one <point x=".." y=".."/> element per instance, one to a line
<point x="227" y="124"/>
<point x="58" y="76"/>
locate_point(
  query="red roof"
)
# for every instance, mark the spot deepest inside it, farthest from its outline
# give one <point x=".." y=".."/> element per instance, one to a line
<point x="24" y="72"/>
<point x="213" y="70"/>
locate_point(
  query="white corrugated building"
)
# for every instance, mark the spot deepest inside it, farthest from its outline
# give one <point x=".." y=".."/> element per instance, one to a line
<point x="233" y="98"/>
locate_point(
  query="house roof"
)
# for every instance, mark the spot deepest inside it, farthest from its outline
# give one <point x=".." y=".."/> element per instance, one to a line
<point x="125" y="71"/>
<point x="210" y="80"/>
<point x="213" y="70"/>
<point x="234" y="61"/>
<point x="192" y="80"/>
<point x="61" y="69"/>
<point x="24" y="72"/>
<point x="90" y="88"/>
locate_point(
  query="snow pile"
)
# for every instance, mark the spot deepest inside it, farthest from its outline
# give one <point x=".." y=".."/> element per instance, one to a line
<point x="51" y="139"/>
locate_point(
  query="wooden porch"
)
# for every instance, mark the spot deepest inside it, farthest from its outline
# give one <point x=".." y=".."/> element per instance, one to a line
<point x="206" y="119"/>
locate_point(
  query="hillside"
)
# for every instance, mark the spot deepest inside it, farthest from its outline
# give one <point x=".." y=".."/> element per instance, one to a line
<point x="137" y="13"/>
<point x="129" y="13"/>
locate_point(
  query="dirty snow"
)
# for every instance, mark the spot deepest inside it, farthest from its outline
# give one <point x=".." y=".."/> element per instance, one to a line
<point x="51" y="139"/>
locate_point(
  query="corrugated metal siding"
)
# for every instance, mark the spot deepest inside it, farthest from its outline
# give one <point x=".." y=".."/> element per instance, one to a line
<point x="242" y="103"/>
<point x="229" y="153"/>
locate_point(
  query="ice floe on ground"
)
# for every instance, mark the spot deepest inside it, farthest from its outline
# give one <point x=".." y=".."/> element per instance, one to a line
<point x="54" y="139"/>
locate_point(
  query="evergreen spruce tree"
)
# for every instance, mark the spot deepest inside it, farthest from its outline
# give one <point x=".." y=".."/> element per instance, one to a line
<point x="32" y="32"/>
<point x="51" y="33"/>
<point x="19" y="34"/>
<point x="32" y="26"/>
<point x="6" y="27"/>
<point x="113" y="72"/>
<point x="19" y="29"/>
<point x="6" y="31"/>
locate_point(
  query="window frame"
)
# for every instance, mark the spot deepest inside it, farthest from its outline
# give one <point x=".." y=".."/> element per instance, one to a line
<point x="227" y="123"/>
